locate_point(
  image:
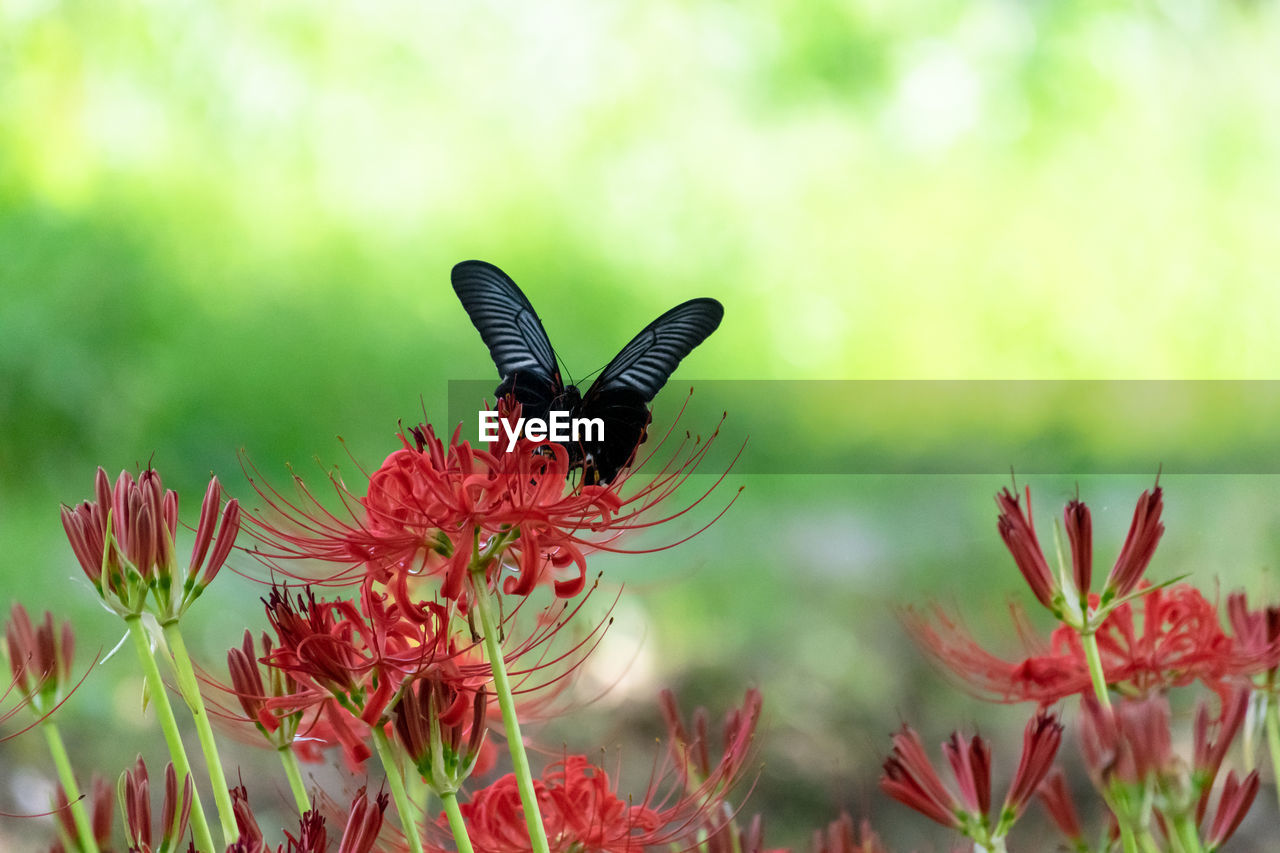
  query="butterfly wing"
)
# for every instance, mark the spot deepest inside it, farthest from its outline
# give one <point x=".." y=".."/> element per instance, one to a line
<point x="511" y="329"/>
<point x="647" y="362"/>
<point x="621" y="395"/>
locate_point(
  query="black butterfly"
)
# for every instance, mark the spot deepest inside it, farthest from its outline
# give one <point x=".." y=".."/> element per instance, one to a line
<point x="620" y="396"/>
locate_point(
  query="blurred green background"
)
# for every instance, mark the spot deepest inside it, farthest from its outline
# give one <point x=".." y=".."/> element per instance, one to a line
<point x="229" y="226"/>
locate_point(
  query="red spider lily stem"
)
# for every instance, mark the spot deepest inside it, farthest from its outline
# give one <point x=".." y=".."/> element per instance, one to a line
<point x="293" y="773"/>
<point x="40" y="658"/>
<point x="1273" y="734"/>
<point x="1089" y="641"/>
<point x="456" y="823"/>
<point x="391" y="764"/>
<point x="506" y="702"/>
<point x="169" y="727"/>
<point x="67" y="776"/>
<point x="190" y="687"/>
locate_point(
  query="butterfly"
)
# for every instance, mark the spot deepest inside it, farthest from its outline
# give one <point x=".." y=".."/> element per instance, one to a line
<point x="619" y="396"/>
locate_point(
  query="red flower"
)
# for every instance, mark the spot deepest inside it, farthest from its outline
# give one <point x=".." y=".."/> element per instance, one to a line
<point x="358" y="655"/>
<point x="363" y="823"/>
<point x="1167" y="637"/>
<point x="582" y="813"/>
<point x="1144" y="534"/>
<point x="690" y="745"/>
<point x="40" y="659"/>
<point x="449" y="512"/>
<point x="1079" y="526"/>
<point x="440" y="722"/>
<point x="1019" y="535"/>
<point x="124" y="541"/>
<point x="1129" y="743"/>
<point x="1212" y="738"/>
<point x="1057" y="801"/>
<point x="1018" y="532"/>
<point x="1237" y="797"/>
<point x="1040" y="742"/>
<point x="839" y="837"/>
<point x="909" y="778"/>
<point x="104" y="806"/>
<point x="135" y="805"/>
<point x="253" y="693"/>
<point x="1256" y="631"/>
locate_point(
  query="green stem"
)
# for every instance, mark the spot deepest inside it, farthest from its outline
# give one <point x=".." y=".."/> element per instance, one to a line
<point x="294" y="774"/>
<point x="1096" y="675"/>
<point x="190" y="687"/>
<point x="1185" y="831"/>
<point x="1127" y="841"/>
<point x="68" y="778"/>
<point x="1149" y="844"/>
<point x="1273" y="735"/>
<point x="459" y="827"/>
<point x="502" y="686"/>
<point x="169" y="727"/>
<point x="408" y="823"/>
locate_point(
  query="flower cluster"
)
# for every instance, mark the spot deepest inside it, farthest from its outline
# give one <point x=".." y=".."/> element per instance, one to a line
<point x="1118" y="653"/>
<point x="453" y="513"/>
<point x="418" y="647"/>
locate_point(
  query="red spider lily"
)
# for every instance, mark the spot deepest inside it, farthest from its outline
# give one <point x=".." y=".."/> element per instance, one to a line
<point x="691" y="752"/>
<point x="1040" y="742"/>
<point x="1169" y="636"/>
<point x="246" y="671"/>
<point x="1018" y="532"/>
<point x="328" y="725"/>
<point x="1053" y="792"/>
<point x="1129" y="754"/>
<point x="449" y="512"/>
<point x="909" y="778"/>
<point x="582" y="813"/>
<point x="839" y="837"/>
<point x="103" y="799"/>
<point x="1258" y="631"/>
<point x="1139" y="545"/>
<point x="1019" y="535"/>
<point x="273" y="708"/>
<point x="359" y="655"/>
<point x="135" y="805"/>
<point x="360" y="834"/>
<point x="124" y="541"/>
<point x="1129" y="743"/>
<point x="40" y="659"/>
<point x="1079" y="527"/>
<point x="1212" y="738"/>
<point x="731" y="838"/>
<point x="1235" y="802"/>
<point x="441" y="724"/>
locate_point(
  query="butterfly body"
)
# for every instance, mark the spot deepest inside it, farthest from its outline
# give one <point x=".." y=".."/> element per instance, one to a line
<point x="619" y="397"/>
